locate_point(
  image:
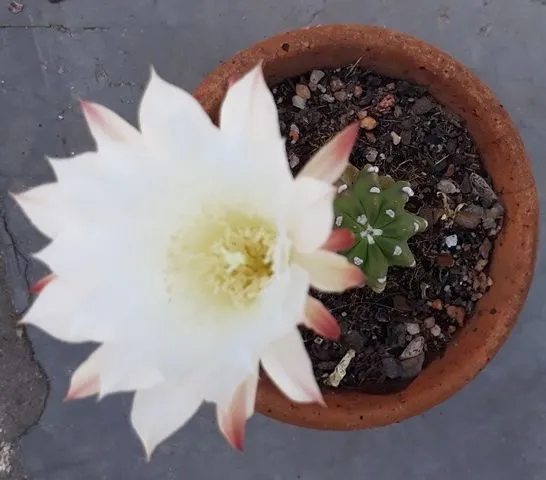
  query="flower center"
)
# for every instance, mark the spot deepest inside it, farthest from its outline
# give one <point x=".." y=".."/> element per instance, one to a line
<point x="229" y="257"/>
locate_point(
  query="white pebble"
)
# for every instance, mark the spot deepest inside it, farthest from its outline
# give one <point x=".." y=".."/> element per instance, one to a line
<point x="316" y="76"/>
<point x="451" y="241"/>
<point x="396" y="139"/>
<point x="298" y="102"/>
<point x="375" y="190"/>
<point x="429" y="322"/>
<point x="373" y="169"/>
<point x="358" y="261"/>
<point x="390" y="212"/>
<point x="397" y="251"/>
<point x="413" y="328"/>
<point x="342" y="188"/>
<point x="436" y="331"/>
<point x="371" y="155"/>
<point x="381" y="279"/>
<point x="339" y="221"/>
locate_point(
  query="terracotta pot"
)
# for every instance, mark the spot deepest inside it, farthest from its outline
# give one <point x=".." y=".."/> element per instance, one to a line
<point x="513" y="260"/>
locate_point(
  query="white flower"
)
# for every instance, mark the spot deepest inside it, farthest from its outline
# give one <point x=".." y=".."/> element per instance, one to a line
<point x="187" y="252"/>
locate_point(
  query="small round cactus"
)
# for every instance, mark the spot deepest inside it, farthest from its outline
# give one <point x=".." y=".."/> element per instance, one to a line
<point x="372" y="206"/>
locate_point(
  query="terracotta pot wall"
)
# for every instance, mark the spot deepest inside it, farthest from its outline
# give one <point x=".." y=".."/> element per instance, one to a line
<point x="513" y="260"/>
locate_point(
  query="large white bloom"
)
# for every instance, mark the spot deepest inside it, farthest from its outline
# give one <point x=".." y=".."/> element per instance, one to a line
<point x="187" y="252"/>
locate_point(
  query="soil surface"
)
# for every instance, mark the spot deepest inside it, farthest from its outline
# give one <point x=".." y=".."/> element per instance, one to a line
<point x="388" y="338"/>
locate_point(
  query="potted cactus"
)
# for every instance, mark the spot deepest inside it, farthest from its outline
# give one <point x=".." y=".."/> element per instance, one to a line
<point x="439" y="263"/>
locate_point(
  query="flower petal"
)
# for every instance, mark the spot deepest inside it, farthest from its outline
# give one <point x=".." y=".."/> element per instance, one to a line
<point x="319" y="319"/>
<point x="310" y="213"/>
<point x="175" y="127"/>
<point x="288" y="365"/>
<point x="110" y="369"/>
<point x="45" y="208"/>
<point x="160" y="411"/>
<point x="340" y="240"/>
<point x="329" y="271"/>
<point x="330" y="161"/>
<point x="52" y="308"/>
<point x="232" y="420"/>
<point x="42" y="283"/>
<point x="104" y="124"/>
<point x="249" y="110"/>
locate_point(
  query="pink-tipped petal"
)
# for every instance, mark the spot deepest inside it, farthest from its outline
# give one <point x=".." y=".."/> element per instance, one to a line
<point x="329" y="271"/>
<point x="319" y="319"/>
<point x="288" y="365"/>
<point x="88" y="388"/>
<point x="104" y="124"/>
<point x="41" y="284"/>
<point x="331" y="160"/>
<point x="85" y="381"/>
<point x="340" y="240"/>
<point x="232" y="420"/>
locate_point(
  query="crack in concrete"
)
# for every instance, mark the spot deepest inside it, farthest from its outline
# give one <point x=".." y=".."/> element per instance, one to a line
<point x="57" y="27"/>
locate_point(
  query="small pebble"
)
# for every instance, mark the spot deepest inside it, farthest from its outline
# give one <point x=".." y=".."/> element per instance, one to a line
<point x="437" y="304"/>
<point x="358" y="91"/>
<point x="451" y="241"/>
<point x="483" y="189"/>
<point x="456" y="313"/>
<point x="336" y="84"/>
<point x="386" y="103"/>
<point x="447" y="186"/>
<point x="371" y="155"/>
<point x="390" y="86"/>
<point x="396" y="139"/>
<point x="481" y="264"/>
<point x="414" y="348"/>
<point x="303" y="91"/>
<point x="485" y="248"/>
<point x="429" y="322"/>
<point x="294" y="133"/>
<point x="368" y="123"/>
<point x="468" y="220"/>
<point x="412" y="328"/>
<point x="316" y="76"/>
<point x="452" y="329"/>
<point x="298" y="102"/>
<point x="361" y="114"/>
<point x="450" y="170"/>
<point x="293" y="160"/>
<point x="322" y="88"/>
<point x="371" y="137"/>
<point x="422" y="105"/>
<point x="15" y="7"/>
<point x="328" y="98"/>
<point x="340" y="96"/>
<point x="436" y="331"/>
<point x="411" y="367"/>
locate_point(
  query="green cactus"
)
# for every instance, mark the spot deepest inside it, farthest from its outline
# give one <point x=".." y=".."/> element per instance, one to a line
<point x="372" y="206"/>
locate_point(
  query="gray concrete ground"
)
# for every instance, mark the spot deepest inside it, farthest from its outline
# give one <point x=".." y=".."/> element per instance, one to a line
<point x="101" y="50"/>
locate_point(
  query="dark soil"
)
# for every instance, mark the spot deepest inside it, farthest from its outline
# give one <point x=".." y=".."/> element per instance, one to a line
<point x="395" y="334"/>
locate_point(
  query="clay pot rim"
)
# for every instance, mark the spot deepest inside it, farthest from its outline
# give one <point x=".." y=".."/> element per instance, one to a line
<point x="403" y="56"/>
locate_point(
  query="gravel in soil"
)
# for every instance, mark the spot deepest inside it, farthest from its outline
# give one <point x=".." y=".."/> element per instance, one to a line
<point x="409" y="136"/>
